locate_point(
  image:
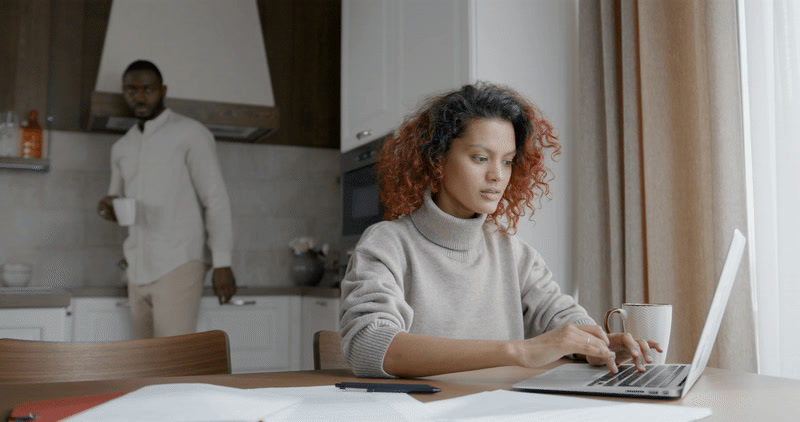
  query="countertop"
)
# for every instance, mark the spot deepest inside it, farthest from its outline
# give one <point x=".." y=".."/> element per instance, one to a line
<point x="54" y="297"/>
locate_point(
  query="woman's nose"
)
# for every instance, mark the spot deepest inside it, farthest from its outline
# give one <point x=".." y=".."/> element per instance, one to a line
<point x="495" y="172"/>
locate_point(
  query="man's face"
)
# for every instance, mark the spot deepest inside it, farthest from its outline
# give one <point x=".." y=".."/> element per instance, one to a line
<point x="144" y="93"/>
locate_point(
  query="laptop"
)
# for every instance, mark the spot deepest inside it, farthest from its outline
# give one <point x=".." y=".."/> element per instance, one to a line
<point x="668" y="381"/>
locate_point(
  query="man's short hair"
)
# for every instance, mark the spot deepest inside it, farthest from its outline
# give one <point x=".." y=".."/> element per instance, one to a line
<point x="143" y="65"/>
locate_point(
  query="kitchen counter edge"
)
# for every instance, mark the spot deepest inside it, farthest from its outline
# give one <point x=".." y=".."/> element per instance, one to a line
<point x="61" y="298"/>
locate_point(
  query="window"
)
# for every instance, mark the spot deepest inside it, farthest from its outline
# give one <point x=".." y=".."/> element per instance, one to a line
<point x="770" y="61"/>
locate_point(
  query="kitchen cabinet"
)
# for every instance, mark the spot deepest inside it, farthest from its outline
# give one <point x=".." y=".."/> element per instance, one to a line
<point x="318" y="314"/>
<point x="263" y="331"/>
<point x="303" y="50"/>
<point x="45" y="324"/>
<point x="266" y="333"/>
<point x="393" y="55"/>
<point x="51" y="53"/>
<point x="370" y="48"/>
<point x="100" y="319"/>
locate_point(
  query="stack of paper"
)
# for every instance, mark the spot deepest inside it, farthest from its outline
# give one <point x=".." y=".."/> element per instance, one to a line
<point x="204" y="402"/>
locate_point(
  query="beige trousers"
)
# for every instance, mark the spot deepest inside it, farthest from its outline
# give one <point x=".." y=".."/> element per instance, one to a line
<point x="169" y="305"/>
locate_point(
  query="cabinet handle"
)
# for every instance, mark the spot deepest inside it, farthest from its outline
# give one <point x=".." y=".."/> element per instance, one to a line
<point x="322" y="303"/>
<point x="363" y="134"/>
<point x="240" y="302"/>
<point x="123" y="304"/>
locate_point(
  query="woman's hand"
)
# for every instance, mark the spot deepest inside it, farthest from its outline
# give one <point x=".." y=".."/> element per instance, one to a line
<point x="587" y="340"/>
<point x="626" y="347"/>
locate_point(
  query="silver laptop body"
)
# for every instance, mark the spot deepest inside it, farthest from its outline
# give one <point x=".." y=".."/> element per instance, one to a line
<point x="668" y="381"/>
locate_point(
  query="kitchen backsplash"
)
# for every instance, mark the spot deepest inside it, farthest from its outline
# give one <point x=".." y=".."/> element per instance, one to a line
<point x="49" y="220"/>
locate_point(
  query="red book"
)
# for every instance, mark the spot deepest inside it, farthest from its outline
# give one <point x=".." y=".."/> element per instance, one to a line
<point x="56" y="410"/>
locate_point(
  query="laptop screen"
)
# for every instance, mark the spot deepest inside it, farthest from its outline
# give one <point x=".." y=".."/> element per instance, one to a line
<point x="718" y="304"/>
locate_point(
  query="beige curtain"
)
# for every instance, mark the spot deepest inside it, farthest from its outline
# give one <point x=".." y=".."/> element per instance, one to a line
<point x="661" y="174"/>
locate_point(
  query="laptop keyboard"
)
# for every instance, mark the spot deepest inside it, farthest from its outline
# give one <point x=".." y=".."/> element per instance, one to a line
<point x="655" y="376"/>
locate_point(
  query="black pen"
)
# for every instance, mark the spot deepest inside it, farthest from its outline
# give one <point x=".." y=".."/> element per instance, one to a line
<point x="379" y="387"/>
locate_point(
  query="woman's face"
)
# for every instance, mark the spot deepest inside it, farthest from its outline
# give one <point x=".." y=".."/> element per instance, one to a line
<point x="477" y="168"/>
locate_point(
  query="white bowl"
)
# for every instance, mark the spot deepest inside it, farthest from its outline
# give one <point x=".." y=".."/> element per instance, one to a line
<point x="17" y="268"/>
<point x="16" y="279"/>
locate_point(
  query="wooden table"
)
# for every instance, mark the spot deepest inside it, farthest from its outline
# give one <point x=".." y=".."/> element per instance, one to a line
<point x="733" y="396"/>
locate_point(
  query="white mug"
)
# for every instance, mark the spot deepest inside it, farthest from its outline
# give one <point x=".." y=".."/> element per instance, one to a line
<point x="646" y="321"/>
<point x="125" y="209"/>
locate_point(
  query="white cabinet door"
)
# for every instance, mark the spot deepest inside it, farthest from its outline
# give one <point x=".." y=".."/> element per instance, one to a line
<point x="434" y="52"/>
<point x="370" y="47"/>
<point x="318" y="314"/>
<point x="101" y="319"/>
<point x="394" y="54"/>
<point x="262" y="330"/>
<point x="46" y="324"/>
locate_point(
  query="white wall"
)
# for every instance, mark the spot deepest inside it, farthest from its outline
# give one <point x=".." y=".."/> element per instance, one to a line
<point x="49" y="220"/>
<point x="543" y="66"/>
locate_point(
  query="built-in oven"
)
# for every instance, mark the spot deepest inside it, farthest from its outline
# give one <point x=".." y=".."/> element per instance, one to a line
<point x="361" y="196"/>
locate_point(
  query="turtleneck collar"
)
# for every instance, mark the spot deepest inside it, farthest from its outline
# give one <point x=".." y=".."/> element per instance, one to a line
<point x="446" y="230"/>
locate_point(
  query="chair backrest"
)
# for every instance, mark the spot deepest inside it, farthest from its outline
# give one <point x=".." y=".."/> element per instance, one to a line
<point x="328" y="351"/>
<point x="23" y="361"/>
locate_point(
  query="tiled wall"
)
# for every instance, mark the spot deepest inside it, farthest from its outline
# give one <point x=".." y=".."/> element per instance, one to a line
<point x="49" y="220"/>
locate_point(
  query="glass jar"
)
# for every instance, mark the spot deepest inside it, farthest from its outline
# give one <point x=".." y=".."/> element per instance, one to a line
<point x="9" y="134"/>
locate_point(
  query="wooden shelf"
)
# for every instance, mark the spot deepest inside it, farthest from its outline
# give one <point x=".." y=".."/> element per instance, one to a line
<point x="35" y="164"/>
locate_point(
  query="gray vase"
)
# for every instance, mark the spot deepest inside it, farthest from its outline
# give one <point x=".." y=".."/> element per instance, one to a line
<point x="306" y="269"/>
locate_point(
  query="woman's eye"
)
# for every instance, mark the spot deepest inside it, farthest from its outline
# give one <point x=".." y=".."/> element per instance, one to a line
<point x="508" y="162"/>
<point x="479" y="159"/>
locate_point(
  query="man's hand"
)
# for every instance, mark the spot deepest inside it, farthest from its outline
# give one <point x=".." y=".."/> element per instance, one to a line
<point x="224" y="284"/>
<point x="105" y="208"/>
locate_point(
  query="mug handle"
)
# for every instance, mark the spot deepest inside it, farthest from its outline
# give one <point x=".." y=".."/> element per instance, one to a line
<point x="622" y="313"/>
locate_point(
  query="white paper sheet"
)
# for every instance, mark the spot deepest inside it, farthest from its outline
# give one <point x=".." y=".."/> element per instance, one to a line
<point x="328" y="403"/>
<point x="187" y="402"/>
<point x="523" y="406"/>
<point x="206" y="402"/>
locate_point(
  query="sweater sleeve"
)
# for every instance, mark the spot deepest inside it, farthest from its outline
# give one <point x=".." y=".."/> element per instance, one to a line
<point x="372" y="312"/>
<point x="544" y="306"/>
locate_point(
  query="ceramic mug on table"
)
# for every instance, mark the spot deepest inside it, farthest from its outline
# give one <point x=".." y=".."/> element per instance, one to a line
<point x="125" y="210"/>
<point x="646" y="321"/>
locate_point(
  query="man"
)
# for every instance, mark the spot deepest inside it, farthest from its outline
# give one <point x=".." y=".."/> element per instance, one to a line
<point x="167" y="163"/>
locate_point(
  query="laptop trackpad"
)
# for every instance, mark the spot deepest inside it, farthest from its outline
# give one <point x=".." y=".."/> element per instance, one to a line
<point x="574" y="371"/>
<point x="565" y="376"/>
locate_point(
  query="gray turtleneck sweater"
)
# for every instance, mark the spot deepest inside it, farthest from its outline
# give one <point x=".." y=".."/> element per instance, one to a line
<point x="438" y="275"/>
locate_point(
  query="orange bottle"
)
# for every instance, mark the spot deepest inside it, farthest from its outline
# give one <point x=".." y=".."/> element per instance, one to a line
<point x="32" y="137"/>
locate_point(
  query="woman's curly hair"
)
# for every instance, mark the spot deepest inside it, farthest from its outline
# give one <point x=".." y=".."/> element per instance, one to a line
<point x="411" y="159"/>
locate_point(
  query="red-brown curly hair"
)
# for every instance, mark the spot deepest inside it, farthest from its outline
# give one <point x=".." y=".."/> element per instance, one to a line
<point x="411" y="159"/>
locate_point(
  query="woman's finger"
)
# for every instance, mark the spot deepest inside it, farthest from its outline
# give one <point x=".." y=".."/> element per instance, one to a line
<point x="595" y="347"/>
<point x="645" y="349"/>
<point x="596" y="331"/>
<point x="655" y="345"/>
<point x="634" y="349"/>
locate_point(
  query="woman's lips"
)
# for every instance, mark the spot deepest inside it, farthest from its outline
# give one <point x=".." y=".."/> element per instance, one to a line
<point x="490" y="194"/>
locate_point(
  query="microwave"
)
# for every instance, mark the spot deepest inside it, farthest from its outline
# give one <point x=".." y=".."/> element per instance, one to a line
<point x="361" y="196"/>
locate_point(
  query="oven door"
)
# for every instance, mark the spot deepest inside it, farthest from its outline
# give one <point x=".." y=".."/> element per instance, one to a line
<point x="361" y="201"/>
<point x="361" y="196"/>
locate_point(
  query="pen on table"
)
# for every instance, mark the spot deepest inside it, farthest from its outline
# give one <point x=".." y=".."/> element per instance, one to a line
<point x="30" y="417"/>
<point x="387" y="387"/>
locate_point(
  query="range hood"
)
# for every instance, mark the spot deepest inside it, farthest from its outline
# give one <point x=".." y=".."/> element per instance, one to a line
<point x="211" y="55"/>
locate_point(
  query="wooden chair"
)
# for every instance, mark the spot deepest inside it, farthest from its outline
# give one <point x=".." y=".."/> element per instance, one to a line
<point x="205" y="353"/>
<point x="328" y="351"/>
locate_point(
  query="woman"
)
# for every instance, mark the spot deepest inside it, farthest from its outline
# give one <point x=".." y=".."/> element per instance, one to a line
<point x="443" y="286"/>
